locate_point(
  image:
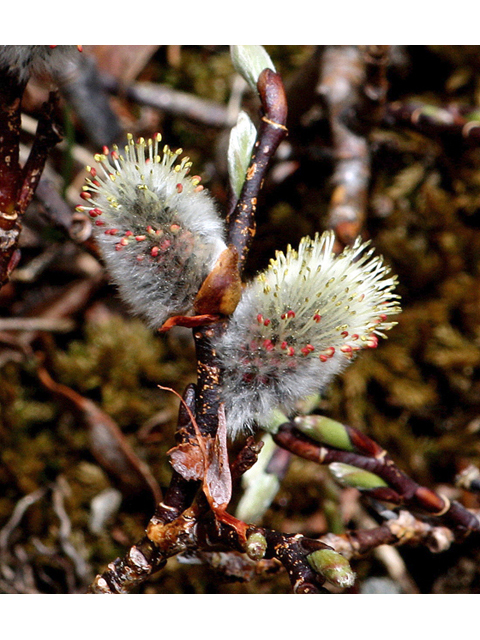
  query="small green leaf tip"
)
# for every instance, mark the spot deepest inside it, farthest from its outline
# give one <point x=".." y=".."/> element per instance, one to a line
<point x="325" y="430"/>
<point x="250" y="60"/>
<point x="242" y="139"/>
<point x="333" y="567"/>
<point x="351" y="476"/>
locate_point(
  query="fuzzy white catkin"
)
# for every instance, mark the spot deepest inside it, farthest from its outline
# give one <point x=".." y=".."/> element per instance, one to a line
<point x="26" y="60"/>
<point x="298" y="324"/>
<point x="158" y="230"/>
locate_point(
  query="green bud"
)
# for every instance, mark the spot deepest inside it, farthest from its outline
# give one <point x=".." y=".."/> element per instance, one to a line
<point x="305" y="406"/>
<point x="333" y="567"/>
<point x="275" y="419"/>
<point x="473" y="116"/>
<point x="250" y="60"/>
<point x="256" y="546"/>
<point x="351" y="476"/>
<point x="242" y="139"/>
<point x="440" y="115"/>
<point x="325" y="430"/>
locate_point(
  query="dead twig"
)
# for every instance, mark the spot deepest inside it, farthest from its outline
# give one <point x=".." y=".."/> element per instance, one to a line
<point x="172" y="102"/>
<point x="107" y="442"/>
<point x="342" y="74"/>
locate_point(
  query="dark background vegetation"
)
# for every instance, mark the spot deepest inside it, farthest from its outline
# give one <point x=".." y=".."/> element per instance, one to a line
<point x="418" y="394"/>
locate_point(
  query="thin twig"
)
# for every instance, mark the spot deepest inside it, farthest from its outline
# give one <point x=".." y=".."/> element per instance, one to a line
<point x="401" y="488"/>
<point x="171" y="101"/>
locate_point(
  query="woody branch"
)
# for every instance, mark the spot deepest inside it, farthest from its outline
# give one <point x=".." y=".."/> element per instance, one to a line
<point x="174" y="517"/>
<point x="17" y="184"/>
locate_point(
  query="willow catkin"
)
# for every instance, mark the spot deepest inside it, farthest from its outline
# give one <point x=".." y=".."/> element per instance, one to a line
<point x="158" y="230"/>
<point x="298" y="324"/>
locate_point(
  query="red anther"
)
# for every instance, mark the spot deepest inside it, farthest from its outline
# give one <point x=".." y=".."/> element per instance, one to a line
<point x="290" y="314"/>
<point x="266" y="322"/>
<point x="154" y="251"/>
<point x="268" y="345"/>
<point x="179" y="187"/>
<point x="93" y="172"/>
<point x="290" y="351"/>
<point x="124" y="242"/>
<point x="382" y="317"/>
<point x="283" y="316"/>
<point x="99" y="223"/>
<point x="317" y="317"/>
<point x="118" y="246"/>
<point x="114" y="155"/>
<point x="346" y="348"/>
<point x="354" y="336"/>
<point x="80" y="47"/>
<point x="284" y="344"/>
<point x="306" y="350"/>
<point x="165" y="244"/>
<point x="159" y="232"/>
<point x="199" y="188"/>
<point x="140" y="238"/>
<point x="113" y="232"/>
<point x="105" y="150"/>
<point x="196" y="178"/>
<point x="361" y="297"/>
<point x="372" y="342"/>
<point x="259" y="318"/>
<point x="344" y="334"/>
<point x="128" y="234"/>
<point x="323" y="358"/>
<point x="174" y="228"/>
<point x="140" y="258"/>
<point x="150" y="229"/>
<point x="86" y="195"/>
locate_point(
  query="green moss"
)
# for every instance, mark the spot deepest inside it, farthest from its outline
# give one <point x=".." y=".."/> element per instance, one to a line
<point x="119" y="364"/>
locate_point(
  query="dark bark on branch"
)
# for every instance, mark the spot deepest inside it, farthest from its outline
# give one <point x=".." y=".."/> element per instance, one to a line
<point x="18" y="185"/>
<point x="436" y="121"/>
<point x="241" y="221"/>
<point x="170" y="529"/>
<point x="402" y="489"/>
<point x="405" y="529"/>
<point x="82" y="88"/>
